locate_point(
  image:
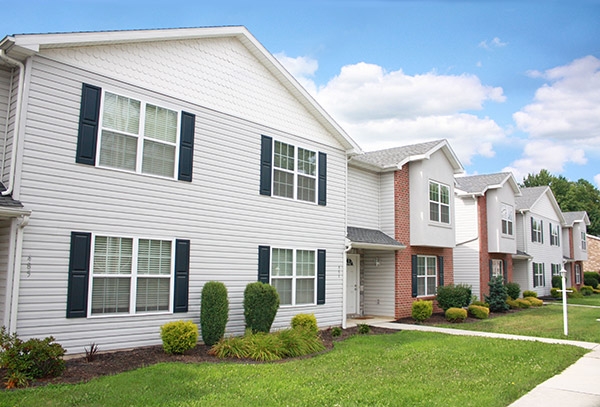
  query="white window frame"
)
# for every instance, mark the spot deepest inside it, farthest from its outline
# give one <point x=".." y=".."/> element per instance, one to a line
<point x="583" y="241"/>
<point x="438" y="203"/>
<point x="295" y="277"/>
<point x="537" y="230"/>
<point x="296" y="172"/>
<point x="556" y="269"/>
<point x="133" y="277"/>
<point x="554" y="235"/>
<point x="497" y="268"/>
<point x="507" y="214"/>
<point x="140" y="137"/>
<point x="539" y="277"/>
<point x="424" y="277"/>
<point x="577" y="273"/>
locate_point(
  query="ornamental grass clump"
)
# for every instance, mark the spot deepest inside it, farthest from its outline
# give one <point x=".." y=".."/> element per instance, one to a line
<point x="479" y="312"/>
<point x="456" y="314"/>
<point x="214" y="312"/>
<point x="179" y="336"/>
<point x="422" y="310"/>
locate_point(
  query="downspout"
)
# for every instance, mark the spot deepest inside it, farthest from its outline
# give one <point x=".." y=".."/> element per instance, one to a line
<point x="17" y="123"/>
<point x="16" y="281"/>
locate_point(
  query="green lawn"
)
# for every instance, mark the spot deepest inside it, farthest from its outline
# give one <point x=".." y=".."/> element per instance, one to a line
<point x="591" y="300"/>
<point x="546" y="321"/>
<point x="406" y="368"/>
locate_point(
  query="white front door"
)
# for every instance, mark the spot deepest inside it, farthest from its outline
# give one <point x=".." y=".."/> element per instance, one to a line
<point x="352" y="283"/>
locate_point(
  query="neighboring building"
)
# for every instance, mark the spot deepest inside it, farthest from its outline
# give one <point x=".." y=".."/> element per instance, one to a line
<point x="150" y="162"/>
<point x="539" y="223"/>
<point x="575" y="250"/>
<point x="593" y="248"/>
<point x="486" y="238"/>
<point x="405" y="193"/>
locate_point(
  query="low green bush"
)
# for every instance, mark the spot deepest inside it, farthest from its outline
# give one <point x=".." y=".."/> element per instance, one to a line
<point x="214" y="312"/>
<point x="261" y="302"/>
<point x="528" y="293"/>
<point x="422" y="310"/>
<point x="534" y="302"/>
<point x="456" y="314"/>
<point x="28" y="360"/>
<point x="555" y="292"/>
<point x="586" y="290"/>
<point x="336" y="331"/>
<point x="512" y="304"/>
<point x="305" y="321"/>
<point x="481" y="304"/>
<point x="363" y="329"/>
<point x="574" y="293"/>
<point x="179" y="336"/>
<point x="523" y="302"/>
<point x="479" y="312"/>
<point x="591" y="278"/>
<point x="513" y="290"/>
<point x="556" y="281"/>
<point x="453" y="296"/>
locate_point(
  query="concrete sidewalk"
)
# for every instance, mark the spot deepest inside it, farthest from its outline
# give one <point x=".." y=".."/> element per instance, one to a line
<point x="576" y="386"/>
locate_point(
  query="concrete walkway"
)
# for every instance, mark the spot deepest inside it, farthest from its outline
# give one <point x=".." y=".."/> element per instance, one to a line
<point x="577" y="386"/>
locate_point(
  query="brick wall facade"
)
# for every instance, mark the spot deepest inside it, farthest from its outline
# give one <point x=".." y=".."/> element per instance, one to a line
<point x="593" y="252"/>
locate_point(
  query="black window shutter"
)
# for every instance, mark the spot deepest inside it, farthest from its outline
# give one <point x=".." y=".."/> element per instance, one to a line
<point x="322" y="179"/>
<point x="186" y="146"/>
<point x="541" y="231"/>
<point x="79" y="271"/>
<point x="534" y="279"/>
<point x="264" y="263"/>
<point x="182" y="275"/>
<point x="321" y="263"/>
<point x="266" y="164"/>
<point x="544" y="274"/>
<point x="440" y="270"/>
<point x="532" y="232"/>
<point x="414" y="275"/>
<point x="491" y="269"/>
<point x="550" y="229"/>
<point x="89" y="115"/>
<point x="505" y="271"/>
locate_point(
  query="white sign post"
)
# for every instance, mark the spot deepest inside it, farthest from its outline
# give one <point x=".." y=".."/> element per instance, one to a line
<point x="563" y="275"/>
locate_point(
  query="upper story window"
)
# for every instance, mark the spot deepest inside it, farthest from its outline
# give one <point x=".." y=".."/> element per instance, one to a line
<point x="439" y="202"/>
<point x="583" y="241"/>
<point x="554" y="235"/>
<point x="117" y="131"/>
<point x="537" y="234"/>
<point x="508" y="215"/>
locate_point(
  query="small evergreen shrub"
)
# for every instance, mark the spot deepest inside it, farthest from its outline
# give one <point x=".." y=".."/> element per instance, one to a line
<point x="422" y="310"/>
<point x="481" y="304"/>
<point x="498" y="295"/>
<point x="456" y="314"/>
<point x="586" y="290"/>
<point x="336" y="331"/>
<point x="591" y="278"/>
<point x="479" y="312"/>
<point x="529" y="293"/>
<point x="555" y="292"/>
<point x="28" y="360"/>
<point x="534" y="302"/>
<point x="261" y="302"/>
<point x="214" y="312"/>
<point x="364" y="329"/>
<point x="556" y="281"/>
<point x="513" y="290"/>
<point x="305" y="321"/>
<point x="179" y="336"/>
<point x="453" y="296"/>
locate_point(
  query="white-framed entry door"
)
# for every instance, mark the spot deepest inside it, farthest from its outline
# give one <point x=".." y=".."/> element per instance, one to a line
<point x="352" y="284"/>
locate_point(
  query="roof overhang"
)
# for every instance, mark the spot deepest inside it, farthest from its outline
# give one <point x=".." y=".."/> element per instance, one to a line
<point x="371" y="239"/>
<point x="521" y="256"/>
<point x="446" y="149"/>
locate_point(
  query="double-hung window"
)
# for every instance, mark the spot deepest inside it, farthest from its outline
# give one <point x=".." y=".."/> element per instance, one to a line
<point x="439" y="202"/>
<point x="508" y="215"/>
<point x="293" y="274"/>
<point x="536" y="230"/>
<point x="426" y="275"/>
<point x="294" y="172"/>
<point x="555" y="269"/>
<point x="138" y="136"/>
<point x="583" y="241"/>
<point x="538" y="275"/>
<point x="554" y="235"/>
<point x="497" y="268"/>
<point x="577" y="273"/>
<point x="131" y="275"/>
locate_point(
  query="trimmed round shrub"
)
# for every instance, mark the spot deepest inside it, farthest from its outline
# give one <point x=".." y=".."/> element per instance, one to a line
<point x="261" y="302"/>
<point x="512" y="304"/>
<point x="498" y="296"/>
<point x="513" y="290"/>
<point x="481" y="304"/>
<point x="555" y="292"/>
<point x="534" y="302"/>
<point x="556" y="281"/>
<point x="523" y="302"/>
<point x="456" y="314"/>
<point x="591" y="278"/>
<point x="214" y="312"/>
<point x="586" y="290"/>
<point x="422" y="310"/>
<point x="453" y="296"/>
<point x="307" y="322"/>
<point x="479" y="312"/>
<point x="179" y="336"/>
<point x="528" y="293"/>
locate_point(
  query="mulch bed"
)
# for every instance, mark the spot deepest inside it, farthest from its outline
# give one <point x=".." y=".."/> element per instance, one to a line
<point x="78" y="369"/>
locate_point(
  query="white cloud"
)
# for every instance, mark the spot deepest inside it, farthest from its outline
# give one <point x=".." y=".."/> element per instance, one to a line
<point x="597" y="180"/>
<point x="494" y="43"/>
<point x="302" y="68"/>
<point x="568" y="107"/>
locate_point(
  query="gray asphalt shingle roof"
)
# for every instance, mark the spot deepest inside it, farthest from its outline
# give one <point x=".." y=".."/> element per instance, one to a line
<point x="7" y="201"/>
<point x="477" y="184"/>
<point x="371" y="236"/>
<point x="529" y="196"/>
<point x="393" y="156"/>
<point x="572" y="217"/>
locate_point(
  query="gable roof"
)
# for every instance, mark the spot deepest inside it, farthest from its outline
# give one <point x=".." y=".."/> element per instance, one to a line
<point x="532" y="195"/>
<point x="21" y="46"/>
<point x="479" y="184"/>
<point x="576" y="217"/>
<point x="395" y="158"/>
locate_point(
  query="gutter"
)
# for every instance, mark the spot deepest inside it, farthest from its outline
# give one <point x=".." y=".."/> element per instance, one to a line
<point x="17" y="123"/>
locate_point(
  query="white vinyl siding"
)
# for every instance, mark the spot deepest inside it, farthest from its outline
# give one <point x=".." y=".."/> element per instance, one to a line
<point x="363" y="198"/>
<point x="4" y="251"/>
<point x="378" y="281"/>
<point x="466" y="252"/>
<point x="221" y="205"/>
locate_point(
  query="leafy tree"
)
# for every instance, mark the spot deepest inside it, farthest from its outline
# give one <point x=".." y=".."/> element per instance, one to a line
<point x="571" y="196"/>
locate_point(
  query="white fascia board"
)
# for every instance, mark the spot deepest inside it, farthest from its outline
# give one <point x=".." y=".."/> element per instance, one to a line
<point x="375" y="246"/>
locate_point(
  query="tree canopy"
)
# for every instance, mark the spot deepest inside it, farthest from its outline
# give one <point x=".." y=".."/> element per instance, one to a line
<point x="571" y="196"/>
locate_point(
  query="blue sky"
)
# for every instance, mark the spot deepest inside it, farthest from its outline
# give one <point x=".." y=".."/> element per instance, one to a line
<point x="513" y="85"/>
